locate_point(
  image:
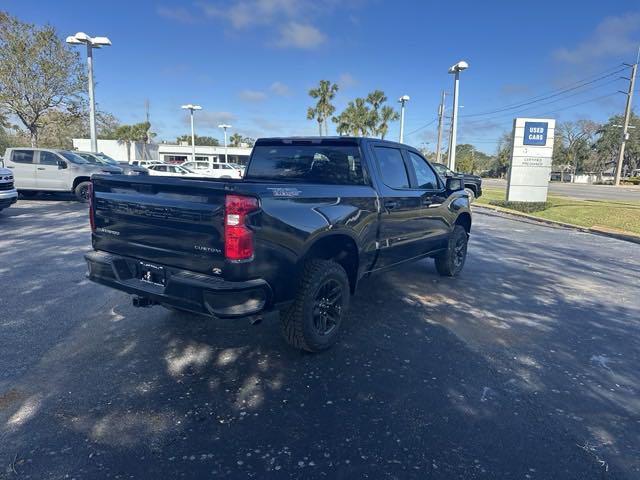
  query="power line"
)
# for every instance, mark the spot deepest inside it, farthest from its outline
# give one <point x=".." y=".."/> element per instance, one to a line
<point x="422" y="127"/>
<point x="540" y="98"/>
<point x="511" y="114"/>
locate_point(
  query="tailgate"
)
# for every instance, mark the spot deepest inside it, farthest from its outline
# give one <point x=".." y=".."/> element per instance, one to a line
<point x="175" y="222"/>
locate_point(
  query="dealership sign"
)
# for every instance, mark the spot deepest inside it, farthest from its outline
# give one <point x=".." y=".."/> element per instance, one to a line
<point x="530" y="167"/>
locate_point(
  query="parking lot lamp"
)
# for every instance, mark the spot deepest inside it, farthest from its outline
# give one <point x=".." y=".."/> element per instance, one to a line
<point x="224" y="127"/>
<point x="402" y="100"/>
<point x="91" y="43"/>
<point x="455" y="70"/>
<point x="191" y="108"/>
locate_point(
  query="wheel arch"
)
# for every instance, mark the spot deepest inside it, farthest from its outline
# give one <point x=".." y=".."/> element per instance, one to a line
<point x="340" y="247"/>
<point x="78" y="180"/>
<point x="464" y="220"/>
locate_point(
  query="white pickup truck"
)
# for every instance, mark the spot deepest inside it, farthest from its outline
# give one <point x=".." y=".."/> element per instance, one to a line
<point x="8" y="192"/>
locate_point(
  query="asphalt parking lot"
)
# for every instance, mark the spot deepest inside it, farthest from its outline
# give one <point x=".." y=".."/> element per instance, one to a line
<point x="527" y="366"/>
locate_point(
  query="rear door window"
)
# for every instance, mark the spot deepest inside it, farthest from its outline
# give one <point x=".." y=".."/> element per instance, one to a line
<point x="392" y="168"/>
<point x="322" y="163"/>
<point x="22" y="156"/>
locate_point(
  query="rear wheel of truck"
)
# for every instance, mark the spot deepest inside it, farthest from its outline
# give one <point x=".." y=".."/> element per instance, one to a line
<point x="82" y="191"/>
<point x="313" y="321"/>
<point x="450" y="262"/>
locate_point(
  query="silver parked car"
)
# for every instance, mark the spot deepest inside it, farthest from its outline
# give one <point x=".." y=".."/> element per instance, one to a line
<point x="103" y="159"/>
<point x="50" y="170"/>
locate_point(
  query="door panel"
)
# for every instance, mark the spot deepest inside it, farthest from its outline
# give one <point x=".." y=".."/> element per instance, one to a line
<point x="401" y="229"/>
<point x="49" y="175"/>
<point x="435" y="227"/>
<point x="22" y="163"/>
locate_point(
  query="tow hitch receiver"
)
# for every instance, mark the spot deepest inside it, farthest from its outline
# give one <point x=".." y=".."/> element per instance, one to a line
<point x="143" y="302"/>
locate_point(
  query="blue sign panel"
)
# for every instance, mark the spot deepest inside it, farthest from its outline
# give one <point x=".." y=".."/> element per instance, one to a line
<point x="535" y="133"/>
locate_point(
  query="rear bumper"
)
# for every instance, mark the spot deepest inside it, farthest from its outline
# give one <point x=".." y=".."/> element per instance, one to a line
<point x="182" y="288"/>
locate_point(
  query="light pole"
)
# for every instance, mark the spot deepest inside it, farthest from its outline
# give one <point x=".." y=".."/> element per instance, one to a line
<point x="224" y="127"/>
<point x="455" y="69"/>
<point x="402" y="100"/>
<point x="191" y="108"/>
<point x="91" y="43"/>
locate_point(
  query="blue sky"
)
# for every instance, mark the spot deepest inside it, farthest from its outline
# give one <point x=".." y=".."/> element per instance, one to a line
<point x="251" y="62"/>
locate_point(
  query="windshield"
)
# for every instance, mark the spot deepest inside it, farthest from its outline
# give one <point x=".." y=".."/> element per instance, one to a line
<point x="74" y="157"/>
<point x="106" y="159"/>
<point x="185" y="168"/>
<point x="325" y="164"/>
<point x="441" y="169"/>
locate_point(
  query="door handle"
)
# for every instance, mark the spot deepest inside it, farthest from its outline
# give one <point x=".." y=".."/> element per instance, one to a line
<point x="41" y="168"/>
<point x="9" y="166"/>
<point x="390" y="204"/>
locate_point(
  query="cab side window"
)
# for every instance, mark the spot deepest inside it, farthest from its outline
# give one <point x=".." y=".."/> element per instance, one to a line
<point x="22" y="156"/>
<point x="425" y="176"/>
<point x="48" y="158"/>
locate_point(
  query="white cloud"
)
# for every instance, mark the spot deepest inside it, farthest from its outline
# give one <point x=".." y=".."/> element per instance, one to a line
<point x="300" y="35"/>
<point x="346" y="80"/>
<point x="613" y="37"/>
<point x="178" y="14"/>
<point x="208" y="119"/>
<point x="280" y="89"/>
<point x="246" y="13"/>
<point x="252" y="96"/>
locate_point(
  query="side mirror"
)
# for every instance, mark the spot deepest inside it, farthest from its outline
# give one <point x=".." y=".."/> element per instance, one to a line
<point x="62" y="164"/>
<point x="454" y="184"/>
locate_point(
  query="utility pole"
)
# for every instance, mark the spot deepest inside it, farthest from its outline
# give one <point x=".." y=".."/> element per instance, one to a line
<point x="440" y="125"/>
<point x="455" y="70"/>
<point x="402" y="101"/>
<point x="627" y="116"/>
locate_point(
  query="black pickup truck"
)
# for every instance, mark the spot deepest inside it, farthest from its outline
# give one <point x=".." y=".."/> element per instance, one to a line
<point x="311" y="217"/>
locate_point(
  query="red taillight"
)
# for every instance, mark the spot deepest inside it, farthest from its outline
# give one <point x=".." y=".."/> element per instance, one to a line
<point x="238" y="239"/>
<point x="92" y="218"/>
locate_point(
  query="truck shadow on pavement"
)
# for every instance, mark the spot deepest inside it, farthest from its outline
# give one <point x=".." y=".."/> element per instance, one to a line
<point x="482" y="376"/>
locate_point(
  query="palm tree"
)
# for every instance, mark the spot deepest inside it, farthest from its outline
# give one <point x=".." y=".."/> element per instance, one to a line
<point x="355" y="120"/>
<point x="387" y="115"/>
<point x="128" y="134"/>
<point x="236" y="139"/>
<point x="324" y="93"/>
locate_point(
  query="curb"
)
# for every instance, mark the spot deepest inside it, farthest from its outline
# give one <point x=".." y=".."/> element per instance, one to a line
<point x="597" y="230"/>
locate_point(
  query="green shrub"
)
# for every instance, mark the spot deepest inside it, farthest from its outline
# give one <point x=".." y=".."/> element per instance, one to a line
<point x="526" y="207"/>
<point x="631" y="180"/>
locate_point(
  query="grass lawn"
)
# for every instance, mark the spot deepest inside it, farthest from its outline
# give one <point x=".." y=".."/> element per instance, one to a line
<point x="586" y="213"/>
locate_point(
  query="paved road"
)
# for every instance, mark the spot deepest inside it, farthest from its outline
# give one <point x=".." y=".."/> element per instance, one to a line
<point x="582" y="191"/>
<point x="524" y="367"/>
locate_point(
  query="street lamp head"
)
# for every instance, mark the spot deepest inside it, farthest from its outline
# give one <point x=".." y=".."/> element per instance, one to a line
<point x="83" y="37"/>
<point x="224" y="126"/>
<point x="101" y="42"/>
<point x="404" y="98"/>
<point x="458" y="67"/>
<point x="71" y="39"/>
<point x="190" y="106"/>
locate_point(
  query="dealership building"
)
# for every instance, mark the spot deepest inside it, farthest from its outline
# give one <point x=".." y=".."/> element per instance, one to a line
<point x="164" y="152"/>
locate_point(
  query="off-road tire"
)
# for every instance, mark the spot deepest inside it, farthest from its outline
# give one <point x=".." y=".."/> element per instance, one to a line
<point x="82" y="192"/>
<point x="449" y="263"/>
<point x="298" y="319"/>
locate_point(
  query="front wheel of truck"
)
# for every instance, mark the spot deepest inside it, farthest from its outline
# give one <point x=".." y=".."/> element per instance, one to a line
<point x="450" y="262"/>
<point x="313" y="321"/>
